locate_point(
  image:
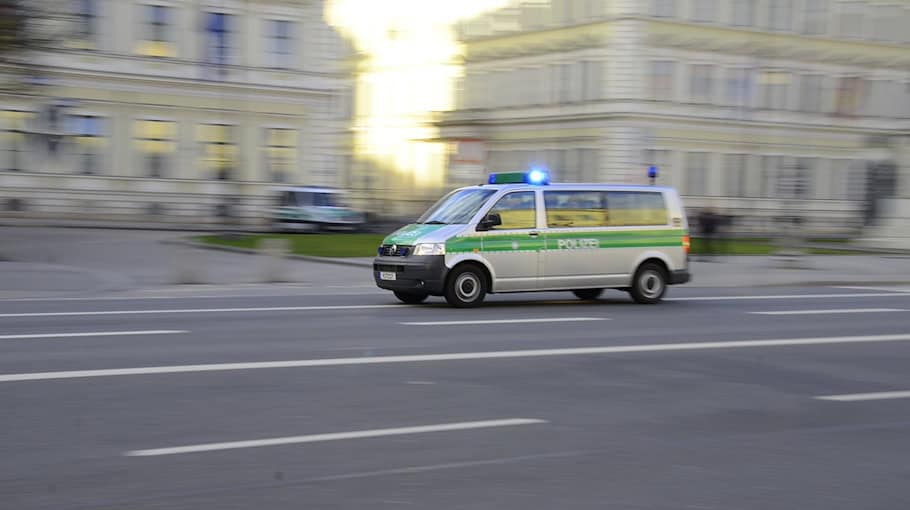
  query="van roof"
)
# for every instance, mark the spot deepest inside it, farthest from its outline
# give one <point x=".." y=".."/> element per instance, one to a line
<point x="574" y="185"/>
<point x="309" y="189"/>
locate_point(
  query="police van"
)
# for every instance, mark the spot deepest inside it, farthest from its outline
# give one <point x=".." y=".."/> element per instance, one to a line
<point x="519" y="233"/>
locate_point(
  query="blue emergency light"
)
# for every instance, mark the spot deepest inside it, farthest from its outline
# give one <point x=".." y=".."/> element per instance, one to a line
<point x="534" y="176"/>
<point x="652" y="174"/>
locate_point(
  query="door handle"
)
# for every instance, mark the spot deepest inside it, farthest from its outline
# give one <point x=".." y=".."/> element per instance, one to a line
<point x="533" y="234"/>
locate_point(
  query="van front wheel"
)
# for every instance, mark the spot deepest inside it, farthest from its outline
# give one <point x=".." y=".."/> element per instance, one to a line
<point x="649" y="284"/>
<point x="466" y="287"/>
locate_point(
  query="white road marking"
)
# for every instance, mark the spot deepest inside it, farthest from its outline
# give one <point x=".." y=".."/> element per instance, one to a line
<point x="204" y="310"/>
<point x="505" y="321"/>
<point x="789" y="296"/>
<point x="374" y="307"/>
<point x="452" y="465"/>
<point x="830" y="312"/>
<point x="336" y="436"/>
<point x="302" y="293"/>
<point x="856" y="397"/>
<point x="456" y="356"/>
<point x="886" y="289"/>
<point x="92" y="334"/>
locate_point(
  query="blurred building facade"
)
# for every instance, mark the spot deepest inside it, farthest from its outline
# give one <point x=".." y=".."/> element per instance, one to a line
<point x="178" y="111"/>
<point x="760" y="109"/>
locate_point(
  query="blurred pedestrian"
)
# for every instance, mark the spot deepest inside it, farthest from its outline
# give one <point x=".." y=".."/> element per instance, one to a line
<point x="708" y="222"/>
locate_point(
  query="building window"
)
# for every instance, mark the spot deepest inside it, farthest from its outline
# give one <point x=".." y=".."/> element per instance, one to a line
<point x="702" y="83"/>
<point x="662" y="78"/>
<point x="815" y="17"/>
<point x="850" y="20"/>
<point x="810" y="93"/>
<point x="593" y="75"/>
<point x="86" y="17"/>
<point x="663" y="8"/>
<point x="156" y="32"/>
<point x="696" y="182"/>
<point x="704" y="11"/>
<point x="849" y="95"/>
<point x="14" y="139"/>
<point x="218" y="150"/>
<point x="736" y="175"/>
<point x="157" y="147"/>
<point x="775" y="87"/>
<point x="279" y="43"/>
<point x="533" y="16"/>
<point x="89" y="143"/>
<point x="780" y="14"/>
<point x="743" y="13"/>
<point x="884" y="98"/>
<point x="768" y="176"/>
<point x="740" y="87"/>
<point x="218" y="38"/>
<point x="280" y="154"/>
<point x="887" y="23"/>
<point x="790" y="178"/>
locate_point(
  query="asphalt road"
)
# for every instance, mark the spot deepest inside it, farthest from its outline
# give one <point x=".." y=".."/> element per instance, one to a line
<point x="342" y="399"/>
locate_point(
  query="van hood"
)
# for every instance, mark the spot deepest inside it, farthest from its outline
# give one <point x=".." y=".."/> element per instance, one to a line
<point x="414" y="233"/>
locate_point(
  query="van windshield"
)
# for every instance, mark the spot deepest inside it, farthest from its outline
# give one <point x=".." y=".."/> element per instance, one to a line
<point x="457" y="207"/>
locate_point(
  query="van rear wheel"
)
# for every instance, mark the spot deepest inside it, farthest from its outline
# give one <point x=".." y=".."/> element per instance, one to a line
<point x="466" y="286"/>
<point x="649" y="284"/>
<point x="588" y="294"/>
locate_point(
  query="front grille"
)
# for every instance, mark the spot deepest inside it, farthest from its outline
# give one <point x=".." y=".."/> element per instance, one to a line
<point x="386" y="250"/>
<point x="388" y="268"/>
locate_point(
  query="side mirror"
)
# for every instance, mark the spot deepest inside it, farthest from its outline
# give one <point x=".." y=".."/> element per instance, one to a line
<point x="490" y="221"/>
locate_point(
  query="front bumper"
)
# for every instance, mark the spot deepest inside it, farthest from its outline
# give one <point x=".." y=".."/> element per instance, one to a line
<point x="419" y="274"/>
<point x="680" y="277"/>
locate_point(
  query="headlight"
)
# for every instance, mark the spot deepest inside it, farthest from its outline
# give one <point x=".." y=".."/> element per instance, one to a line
<point x="430" y="249"/>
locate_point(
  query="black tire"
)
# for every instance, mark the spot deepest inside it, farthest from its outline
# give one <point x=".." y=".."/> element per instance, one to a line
<point x="466" y="286"/>
<point x="649" y="284"/>
<point x="588" y="294"/>
<point x="411" y="298"/>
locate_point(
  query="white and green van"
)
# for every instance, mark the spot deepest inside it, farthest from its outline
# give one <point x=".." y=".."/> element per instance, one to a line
<point x="520" y="233"/>
<point x="313" y="209"/>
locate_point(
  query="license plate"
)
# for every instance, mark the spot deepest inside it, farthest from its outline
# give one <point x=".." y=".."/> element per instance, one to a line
<point x="387" y="275"/>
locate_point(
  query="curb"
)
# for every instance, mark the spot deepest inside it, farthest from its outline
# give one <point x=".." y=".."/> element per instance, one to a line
<point x="248" y="251"/>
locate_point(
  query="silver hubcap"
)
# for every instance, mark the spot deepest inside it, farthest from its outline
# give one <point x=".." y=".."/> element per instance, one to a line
<point x="467" y="287"/>
<point x="651" y="284"/>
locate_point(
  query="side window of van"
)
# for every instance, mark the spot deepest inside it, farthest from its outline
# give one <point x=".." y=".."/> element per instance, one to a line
<point x="637" y="208"/>
<point x="517" y="211"/>
<point x="566" y="209"/>
<point x="304" y="198"/>
<point x="286" y="199"/>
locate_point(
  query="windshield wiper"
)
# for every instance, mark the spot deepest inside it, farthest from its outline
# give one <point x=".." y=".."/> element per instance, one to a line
<point x="434" y="222"/>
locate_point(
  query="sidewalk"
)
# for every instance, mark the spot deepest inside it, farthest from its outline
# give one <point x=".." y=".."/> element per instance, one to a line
<point x="808" y="270"/>
<point x="53" y="262"/>
<point x="65" y="262"/>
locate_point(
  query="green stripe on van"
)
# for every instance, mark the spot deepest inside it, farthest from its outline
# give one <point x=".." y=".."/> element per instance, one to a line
<point x="579" y="239"/>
